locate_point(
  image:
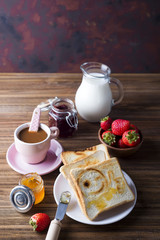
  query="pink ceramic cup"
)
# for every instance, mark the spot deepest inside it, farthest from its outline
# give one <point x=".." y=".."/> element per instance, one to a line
<point x="33" y="153"/>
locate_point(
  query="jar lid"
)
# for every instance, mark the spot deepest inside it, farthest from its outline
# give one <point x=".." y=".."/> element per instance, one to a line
<point x="22" y="198"/>
<point x="62" y="105"/>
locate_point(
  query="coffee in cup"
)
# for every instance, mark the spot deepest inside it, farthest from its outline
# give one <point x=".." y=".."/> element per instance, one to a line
<point x="32" y="137"/>
<point x="33" y="146"/>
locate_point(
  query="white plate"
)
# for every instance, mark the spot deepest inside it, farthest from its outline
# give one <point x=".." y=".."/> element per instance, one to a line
<point x="74" y="211"/>
<point x="51" y="162"/>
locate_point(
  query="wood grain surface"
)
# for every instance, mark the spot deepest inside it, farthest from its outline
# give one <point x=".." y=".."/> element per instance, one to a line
<point x="20" y="93"/>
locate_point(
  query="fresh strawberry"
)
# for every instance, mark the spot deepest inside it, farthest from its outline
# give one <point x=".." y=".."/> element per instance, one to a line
<point x="131" y="138"/>
<point x="108" y="131"/>
<point x="121" y="144"/>
<point x="109" y="138"/>
<point x="106" y="123"/>
<point x="133" y="127"/>
<point x="39" y="221"/>
<point x="119" y="126"/>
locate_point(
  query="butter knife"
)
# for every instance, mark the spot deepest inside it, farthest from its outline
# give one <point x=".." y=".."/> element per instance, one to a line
<point x="55" y="225"/>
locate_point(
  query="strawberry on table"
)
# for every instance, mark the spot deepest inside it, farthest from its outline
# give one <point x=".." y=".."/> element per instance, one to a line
<point x="131" y="138"/>
<point x="105" y="123"/>
<point x="39" y="221"/>
<point x="119" y="126"/>
<point x="109" y="138"/>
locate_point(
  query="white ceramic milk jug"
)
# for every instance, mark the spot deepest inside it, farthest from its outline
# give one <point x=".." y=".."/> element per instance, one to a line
<point x="93" y="98"/>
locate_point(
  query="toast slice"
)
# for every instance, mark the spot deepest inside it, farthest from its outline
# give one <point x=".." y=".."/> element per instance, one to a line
<point x="92" y="159"/>
<point x="74" y="156"/>
<point x="101" y="187"/>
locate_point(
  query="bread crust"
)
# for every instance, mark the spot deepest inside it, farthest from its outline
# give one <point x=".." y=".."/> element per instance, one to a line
<point x="69" y="157"/>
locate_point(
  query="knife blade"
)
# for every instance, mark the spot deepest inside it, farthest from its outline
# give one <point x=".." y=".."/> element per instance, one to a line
<point x="55" y="225"/>
<point x="63" y="204"/>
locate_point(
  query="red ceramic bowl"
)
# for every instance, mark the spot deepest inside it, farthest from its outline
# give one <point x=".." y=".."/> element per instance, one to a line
<point x="120" y="152"/>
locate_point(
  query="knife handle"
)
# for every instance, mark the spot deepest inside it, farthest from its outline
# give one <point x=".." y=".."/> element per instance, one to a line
<point x="54" y="230"/>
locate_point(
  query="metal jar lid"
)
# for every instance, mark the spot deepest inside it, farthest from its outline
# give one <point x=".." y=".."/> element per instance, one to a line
<point x="22" y="198"/>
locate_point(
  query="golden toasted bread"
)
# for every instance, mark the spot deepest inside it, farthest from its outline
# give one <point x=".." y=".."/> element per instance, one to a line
<point x="92" y="159"/>
<point x="74" y="156"/>
<point x="100" y="187"/>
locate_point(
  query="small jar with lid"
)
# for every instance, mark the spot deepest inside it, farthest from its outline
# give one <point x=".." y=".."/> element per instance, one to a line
<point x="36" y="184"/>
<point x="29" y="192"/>
<point x="63" y="115"/>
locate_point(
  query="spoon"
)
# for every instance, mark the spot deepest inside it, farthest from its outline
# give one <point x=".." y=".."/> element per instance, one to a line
<point x="34" y="125"/>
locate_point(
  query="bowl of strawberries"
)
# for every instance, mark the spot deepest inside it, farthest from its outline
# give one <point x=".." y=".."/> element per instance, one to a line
<point x="121" y="137"/>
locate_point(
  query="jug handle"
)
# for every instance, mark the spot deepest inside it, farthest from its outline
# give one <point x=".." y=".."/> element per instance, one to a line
<point x="120" y="90"/>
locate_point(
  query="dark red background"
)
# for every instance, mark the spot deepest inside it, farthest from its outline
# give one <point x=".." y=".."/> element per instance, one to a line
<point x="60" y="35"/>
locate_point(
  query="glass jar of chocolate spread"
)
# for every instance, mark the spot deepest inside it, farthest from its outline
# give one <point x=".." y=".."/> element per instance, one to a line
<point x="63" y="115"/>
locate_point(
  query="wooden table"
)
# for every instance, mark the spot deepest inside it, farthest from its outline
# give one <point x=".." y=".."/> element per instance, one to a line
<point x="20" y="93"/>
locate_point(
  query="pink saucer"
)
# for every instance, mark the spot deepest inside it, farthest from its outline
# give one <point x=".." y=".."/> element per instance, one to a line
<point x="51" y="162"/>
